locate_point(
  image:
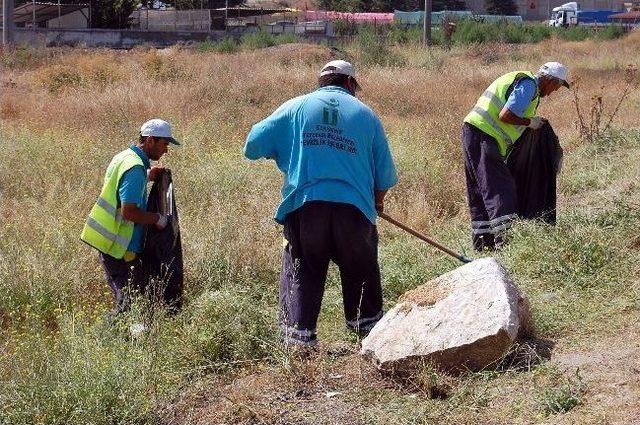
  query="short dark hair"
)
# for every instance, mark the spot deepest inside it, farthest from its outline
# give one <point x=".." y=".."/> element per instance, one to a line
<point x="143" y="138"/>
<point x="339" y="80"/>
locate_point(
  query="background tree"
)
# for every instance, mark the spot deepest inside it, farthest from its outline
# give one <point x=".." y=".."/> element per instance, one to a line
<point x="439" y="5"/>
<point x="501" y="7"/>
<point x="104" y="13"/>
<point x="112" y="13"/>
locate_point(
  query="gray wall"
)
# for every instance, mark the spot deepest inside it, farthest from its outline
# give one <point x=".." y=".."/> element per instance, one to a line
<point x="125" y="39"/>
<point x="121" y="39"/>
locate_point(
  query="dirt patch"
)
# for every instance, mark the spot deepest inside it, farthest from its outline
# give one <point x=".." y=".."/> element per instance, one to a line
<point x="337" y="386"/>
<point x="611" y="371"/>
<point x="315" y="390"/>
<point x="428" y="294"/>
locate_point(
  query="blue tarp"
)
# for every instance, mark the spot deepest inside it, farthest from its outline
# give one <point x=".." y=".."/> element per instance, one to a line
<point x="415" y="18"/>
<point x="497" y="18"/>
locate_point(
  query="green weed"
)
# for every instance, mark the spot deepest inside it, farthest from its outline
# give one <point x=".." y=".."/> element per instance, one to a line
<point x="563" y="397"/>
<point x="373" y="49"/>
<point x="59" y="78"/>
<point x="21" y="56"/>
<point x="261" y="39"/>
<point x="471" y="32"/>
<point x="227" y="45"/>
<point x="162" y="67"/>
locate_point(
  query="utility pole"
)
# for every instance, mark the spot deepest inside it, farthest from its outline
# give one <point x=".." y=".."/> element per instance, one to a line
<point x="33" y="16"/>
<point x="226" y="14"/>
<point x="7" y="22"/>
<point x="426" y="34"/>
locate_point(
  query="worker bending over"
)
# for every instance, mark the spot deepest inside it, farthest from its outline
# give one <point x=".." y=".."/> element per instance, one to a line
<point x="503" y="112"/>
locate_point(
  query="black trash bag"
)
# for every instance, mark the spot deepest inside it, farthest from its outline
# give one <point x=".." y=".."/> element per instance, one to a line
<point x="535" y="162"/>
<point x="162" y="253"/>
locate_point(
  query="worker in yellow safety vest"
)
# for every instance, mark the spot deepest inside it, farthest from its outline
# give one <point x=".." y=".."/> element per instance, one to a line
<point x="116" y="222"/>
<point x="502" y="113"/>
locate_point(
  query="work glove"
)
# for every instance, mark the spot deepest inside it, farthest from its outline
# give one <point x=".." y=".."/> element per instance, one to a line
<point x="162" y="222"/>
<point x="536" y="122"/>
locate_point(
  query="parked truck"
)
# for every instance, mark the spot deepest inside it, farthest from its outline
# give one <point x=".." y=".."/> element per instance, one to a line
<point x="570" y="14"/>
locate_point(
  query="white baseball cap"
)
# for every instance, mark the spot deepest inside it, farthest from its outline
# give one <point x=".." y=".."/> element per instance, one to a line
<point x="340" y="67"/>
<point x="555" y="70"/>
<point x="158" y="128"/>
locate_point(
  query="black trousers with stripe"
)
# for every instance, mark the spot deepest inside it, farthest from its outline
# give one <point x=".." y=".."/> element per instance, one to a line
<point x="124" y="278"/>
<point x="491" y="189"/>
<point x="316" y="233"/>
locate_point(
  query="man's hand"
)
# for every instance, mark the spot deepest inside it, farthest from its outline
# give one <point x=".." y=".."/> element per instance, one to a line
<point x="536" y="123"/>
<point x="378" y="200"/>
<point x="155" y="172"/>
<point x="162" y="222"/>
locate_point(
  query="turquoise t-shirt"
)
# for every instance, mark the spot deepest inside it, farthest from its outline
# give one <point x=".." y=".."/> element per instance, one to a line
<point x="132" y="189"/>
<point x="523" y="93"/>
<point x="330" y="147"/>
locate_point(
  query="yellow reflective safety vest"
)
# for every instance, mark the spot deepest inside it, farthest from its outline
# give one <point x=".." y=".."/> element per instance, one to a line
<point x="106" y="230"/>
<point x="484" y="115"/>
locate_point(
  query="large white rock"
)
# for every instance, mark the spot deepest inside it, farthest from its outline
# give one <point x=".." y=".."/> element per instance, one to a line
<point x="467" y="318"/>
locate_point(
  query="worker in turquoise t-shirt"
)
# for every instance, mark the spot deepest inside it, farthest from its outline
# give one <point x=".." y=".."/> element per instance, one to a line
<point x="337" y="168"/>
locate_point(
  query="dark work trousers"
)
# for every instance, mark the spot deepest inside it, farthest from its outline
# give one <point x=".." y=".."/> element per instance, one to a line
<point x="491" y="189"/>
<point x="316" y="233"/>
<point x="124" y="278"/>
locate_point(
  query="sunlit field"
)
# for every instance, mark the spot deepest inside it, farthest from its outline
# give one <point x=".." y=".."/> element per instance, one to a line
<point x="64" y="114"/>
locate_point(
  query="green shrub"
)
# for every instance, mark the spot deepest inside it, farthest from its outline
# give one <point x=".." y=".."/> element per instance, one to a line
<point x="91" y="372"/>
<point x="18" y="57"/>
<point x="257" y="40"/>
<point x="84" y="375"/>
<point x="261" y="39"/>
<point x="469" y="31"/>
<point x="61" y="77"/>
<point x="610" y="32"/>
<point x="162" y="68"/>
<point x="584" y="32"/>
<point x="345" y="28"/>
<point x="404" y="35"/>
<point x="575" y="33"/>
<point x="562" y="398"/>
<point x="373" y="49"/>
<point x="227" y="45"/>
<point x="286" y="38"/>
<point x="227" y="326"/>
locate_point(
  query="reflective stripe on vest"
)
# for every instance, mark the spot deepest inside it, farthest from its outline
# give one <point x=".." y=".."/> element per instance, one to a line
<point x="105" y="229"/>
<point x="110" y="209"/>
<point x="92" y="223"/>
<point x="500" y="104"/>
<point x="485" y="114"/>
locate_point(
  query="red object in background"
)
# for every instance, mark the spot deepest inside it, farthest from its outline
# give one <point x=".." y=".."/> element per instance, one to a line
<point x="532" y="5"/>
<point x="361" y="17"/>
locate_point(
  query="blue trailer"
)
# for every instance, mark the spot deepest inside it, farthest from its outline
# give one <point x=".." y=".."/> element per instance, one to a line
<point x="569" y="14"/>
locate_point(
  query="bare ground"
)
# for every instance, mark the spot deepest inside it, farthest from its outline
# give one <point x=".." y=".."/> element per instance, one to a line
<point x="611" y="370"/>
<point x="338" y="387"/>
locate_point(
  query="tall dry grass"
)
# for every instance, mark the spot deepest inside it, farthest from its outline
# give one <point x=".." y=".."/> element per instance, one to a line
<point x="65" y="113"/>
